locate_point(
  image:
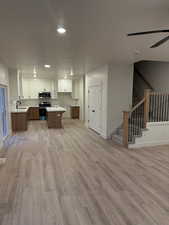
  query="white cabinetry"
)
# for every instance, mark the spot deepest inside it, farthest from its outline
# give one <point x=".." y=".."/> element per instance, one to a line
<point x="31" y="87"/>
<point x="75" y="89"/>
<point x="65" y="85"/>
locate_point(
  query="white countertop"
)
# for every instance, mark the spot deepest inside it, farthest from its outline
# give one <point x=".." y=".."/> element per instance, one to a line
<point x="24" y="109"/>
<point x="20" y="110"/>
<point x="55" y="109"/>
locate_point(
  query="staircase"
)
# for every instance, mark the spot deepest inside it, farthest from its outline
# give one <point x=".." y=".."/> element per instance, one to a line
<point x="154" y="107"/>
<point x="134" y="128"/>
<point x="139" y="85"/>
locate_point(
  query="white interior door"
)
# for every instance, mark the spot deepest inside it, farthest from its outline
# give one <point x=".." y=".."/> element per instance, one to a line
<point x="95" y="104"/>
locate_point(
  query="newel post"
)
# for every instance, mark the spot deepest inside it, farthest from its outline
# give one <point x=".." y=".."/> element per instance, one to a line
<point x="125" y="128"/>
<point x="146" y="106"/>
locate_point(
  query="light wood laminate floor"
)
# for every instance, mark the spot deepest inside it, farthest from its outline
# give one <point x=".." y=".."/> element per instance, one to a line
<point x="74" y="177"/>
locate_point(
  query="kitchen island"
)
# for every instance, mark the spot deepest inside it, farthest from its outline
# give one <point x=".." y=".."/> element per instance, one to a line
<point x="54" y="117"/>
<point x="19" y="119"/>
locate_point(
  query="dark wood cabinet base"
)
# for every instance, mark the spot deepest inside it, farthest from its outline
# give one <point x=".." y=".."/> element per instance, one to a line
<point x="54" y="119"/>
<point x="75" y="112"/>
<point x="19" y="121"/>
<point x="33" y="113"/>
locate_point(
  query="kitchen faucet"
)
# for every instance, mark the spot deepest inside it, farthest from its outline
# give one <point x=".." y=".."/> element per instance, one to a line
<point x="18" y="102"/>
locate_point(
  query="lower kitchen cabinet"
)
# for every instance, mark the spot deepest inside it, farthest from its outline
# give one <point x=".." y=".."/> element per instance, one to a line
<point x="54" y="119"/>
<point x="33" y="113"/>
<point x="19" y="121"/>
<point x="75" y="112"/>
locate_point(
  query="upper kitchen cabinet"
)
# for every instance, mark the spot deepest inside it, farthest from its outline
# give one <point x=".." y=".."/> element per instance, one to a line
<point x="64" y="85"/>
<point x="14" y="83"/>
<point x="31" y="87"/>
<point x="75" y="89"/>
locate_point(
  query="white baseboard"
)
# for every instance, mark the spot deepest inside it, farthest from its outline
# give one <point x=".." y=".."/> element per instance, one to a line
<point x="148" y="144"/>
<point x="157" y="133"/>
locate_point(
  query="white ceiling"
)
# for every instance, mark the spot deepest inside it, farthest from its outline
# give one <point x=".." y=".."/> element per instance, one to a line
<point x="96" y="33"/>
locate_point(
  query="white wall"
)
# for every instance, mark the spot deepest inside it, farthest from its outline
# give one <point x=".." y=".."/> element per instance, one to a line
<point x="78" y="94"/>
<point x="117" y="84"/>
<point x="156" y="73"/>
<point x="3" y="75"/>
<point x="120" y="88"/>
<point x="99" y="75"/>
<point x="4" y="81"/>
<point x="13" y="84"/>
<point x="157" y="133"/>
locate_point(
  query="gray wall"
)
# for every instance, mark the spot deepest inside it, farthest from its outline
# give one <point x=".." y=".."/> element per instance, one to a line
<point x="156" y="73"/>
<point x="117" y="85"/>
<point x="13" y="84"/>
<point x="120" y="88"/>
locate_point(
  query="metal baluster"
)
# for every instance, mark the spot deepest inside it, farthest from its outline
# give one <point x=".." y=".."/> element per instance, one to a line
<point x="163" y="103"/>
<point x="139" y="118"/>
<point x="167" y="108"/>
<point x="142" y="116"/>
<point x="150" y="111"/>
<point x="165" y="111"/>
<point x="158" y="107"/>
<point x="137" y="130"/>
<point x="136" y="122"/>
<point x="134" y="115"/>
<point x="161" y="108"/>
<point x="154" y="108"/>
<point x="132" y="125"/>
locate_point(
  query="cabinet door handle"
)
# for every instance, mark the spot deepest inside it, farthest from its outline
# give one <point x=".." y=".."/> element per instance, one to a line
<point x="93" y="110"/>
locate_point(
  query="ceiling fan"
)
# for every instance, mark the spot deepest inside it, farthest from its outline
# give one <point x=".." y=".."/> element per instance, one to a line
<point x="153" y="32"/>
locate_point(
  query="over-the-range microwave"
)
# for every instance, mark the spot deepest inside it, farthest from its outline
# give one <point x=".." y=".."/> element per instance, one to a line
<point x="44" y="94"/>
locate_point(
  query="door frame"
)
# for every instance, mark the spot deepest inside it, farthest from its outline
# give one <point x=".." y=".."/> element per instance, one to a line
<point x="5" y="87"/>
<point x="96" y="84"/>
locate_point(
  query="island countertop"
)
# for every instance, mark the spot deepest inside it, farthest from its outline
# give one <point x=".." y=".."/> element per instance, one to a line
<point x="55" y="109"/>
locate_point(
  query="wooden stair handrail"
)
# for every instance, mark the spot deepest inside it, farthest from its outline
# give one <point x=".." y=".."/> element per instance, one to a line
<point x="136" y="106"/>
<point x="126" y="115"/>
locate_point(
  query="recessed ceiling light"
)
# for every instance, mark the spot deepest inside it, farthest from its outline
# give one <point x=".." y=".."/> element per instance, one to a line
<point x="34" y="75"/>
<point x="61" y="30"/>
<point x="47" y="66"/>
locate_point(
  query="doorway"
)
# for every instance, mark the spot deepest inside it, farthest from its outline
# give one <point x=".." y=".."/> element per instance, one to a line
<point x="3" y="113"/>
<point x="95" y="105"/>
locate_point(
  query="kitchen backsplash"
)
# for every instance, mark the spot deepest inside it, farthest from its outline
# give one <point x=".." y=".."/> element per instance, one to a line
<point x="64" y="100"/>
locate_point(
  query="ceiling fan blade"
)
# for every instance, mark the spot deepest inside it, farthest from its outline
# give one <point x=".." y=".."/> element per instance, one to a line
<point x="148" y="32"/>
<point x="160" y="42"/>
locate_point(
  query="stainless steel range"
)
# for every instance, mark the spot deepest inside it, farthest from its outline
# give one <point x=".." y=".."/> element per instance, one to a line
<point x="44" y="101"/>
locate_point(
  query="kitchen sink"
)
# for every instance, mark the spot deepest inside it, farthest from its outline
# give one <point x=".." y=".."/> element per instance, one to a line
<point x="22" y="107"/>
